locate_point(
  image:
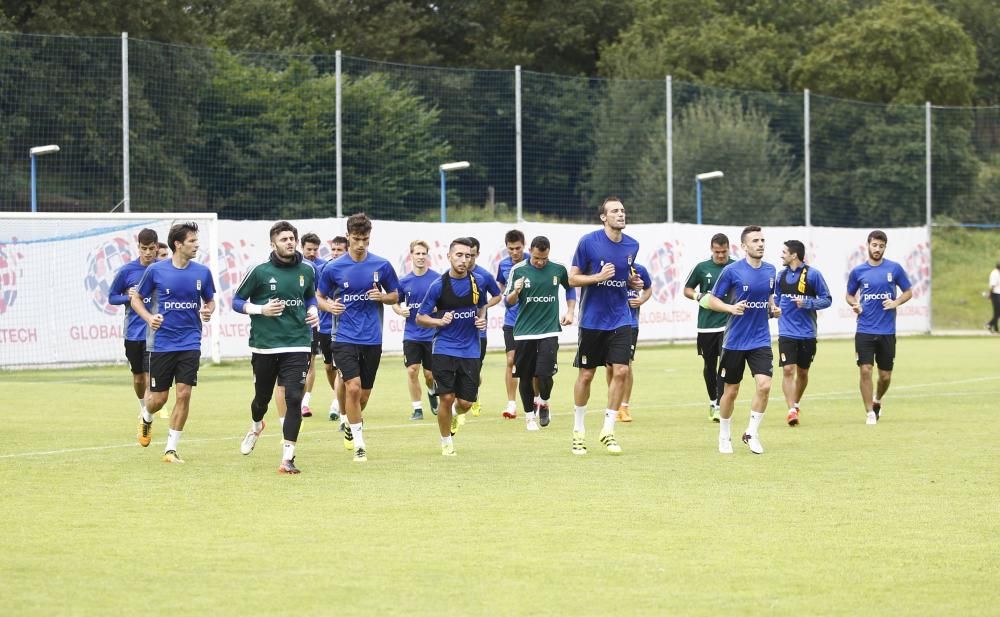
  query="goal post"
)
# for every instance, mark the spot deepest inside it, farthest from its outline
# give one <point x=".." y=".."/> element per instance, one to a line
<point x="55" y="273"/>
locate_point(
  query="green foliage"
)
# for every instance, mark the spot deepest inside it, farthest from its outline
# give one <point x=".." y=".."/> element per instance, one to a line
<point x="901" y="51"/>
<point x="981" y="21"/>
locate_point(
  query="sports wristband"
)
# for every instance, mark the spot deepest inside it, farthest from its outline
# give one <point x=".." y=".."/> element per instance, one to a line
<point x="253" y="309"/>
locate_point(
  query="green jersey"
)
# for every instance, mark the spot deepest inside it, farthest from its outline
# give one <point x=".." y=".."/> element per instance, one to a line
<point x="702" y="279"/>
<point x="293" y="284"/>
<point x="538" y="302"/>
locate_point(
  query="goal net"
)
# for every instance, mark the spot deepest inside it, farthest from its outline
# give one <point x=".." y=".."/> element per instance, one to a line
<point x="55" y="274"/>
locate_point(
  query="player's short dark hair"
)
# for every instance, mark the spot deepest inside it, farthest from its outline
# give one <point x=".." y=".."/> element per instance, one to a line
<point x="878" y="234"/>
<point x="461" y="242"/>
<point x="281" y="227"/>
<point x="339" y="240"/>
<point x="179" y="233"/>
<point x="749" y="229"/>
<point x="359" y="224"/>
<point x="162" y="245"/>
<point x="514" y="235"/>
<point x="796" y="248"/>
<point x="148" y="236"/>
<point x="720" y="239"/>
<point x="311" y="238"/>
<point x="473" y="243"/>
<point x="601" y="211"/>
<point x="541" y="243"/>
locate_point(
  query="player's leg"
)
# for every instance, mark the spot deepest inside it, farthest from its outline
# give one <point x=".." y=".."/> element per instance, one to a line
<point x="444" y="384"/>
<point x="885" y="356"/>
<point x="546" y="366"/>
<point x="369" y="357"/>
<point x="617" y="354"/>
<point x="995" y="299"/>
<point x="347" y="358"/>
<point x="161" y="377"/>
<point x="709" y="348"/>
<point x="864" y="349"/>
<point x="509" y="379"/>
<point x="788" y="361"/>
<point x="265" y="373"/>
<point x="186" y="377"/>
<point x="525" y="361"/>
<point x="411" y="360"/>
<point x="731" y="373"/>
<point x="761" y="362"/>
<point x="310" y="376"/>
<point x="476" y="407"/>
<point x="292" y="371"/>
<point x="806" y="355"/>
<point x="624" y="413"/>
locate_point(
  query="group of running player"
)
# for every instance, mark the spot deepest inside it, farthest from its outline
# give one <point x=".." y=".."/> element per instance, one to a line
<point x="300" y="305"/>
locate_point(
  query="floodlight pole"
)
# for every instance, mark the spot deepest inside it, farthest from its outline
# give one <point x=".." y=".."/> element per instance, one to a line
<point x="35" y="153"/>
<point x="710" y="175"/>
<point x="445" y="168"/>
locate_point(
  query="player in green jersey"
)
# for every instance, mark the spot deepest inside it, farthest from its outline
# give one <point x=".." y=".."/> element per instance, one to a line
<point x="534" y="286"/>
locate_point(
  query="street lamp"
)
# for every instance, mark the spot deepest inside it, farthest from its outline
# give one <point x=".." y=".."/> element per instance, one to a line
<point x="34" y="153"/>
<point x="444" y="168"/>
<point x="708" y="175"/>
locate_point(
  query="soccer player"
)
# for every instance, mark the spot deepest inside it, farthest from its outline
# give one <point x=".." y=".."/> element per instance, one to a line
<point x="514" y="240"/>
<point x="488" y="284"/>
<point x="122" y="289"/>
<point x="417" y="348"/>
<point x="163" y="251"/>
<point x="745" y="291"/>
<point x="871" y="293"/>
<point x="355" y="289"/>
<point x="279" y="295"/>
<point x="533" y="286"/>
<point x="310" y="254"/>
<point x="338" y="246"/>
<point x="636" y="298"/>
<point x="457" y="299"/>
<point x="602" y="267"/>
<point x="710" y="323"/>
<point x="801" y="291"/>
<point x="181" y="294"/>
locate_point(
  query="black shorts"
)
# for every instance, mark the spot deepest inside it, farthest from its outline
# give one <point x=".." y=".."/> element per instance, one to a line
<point x="314" y="348"/>
<point x="138" y="359"/>
<point x="358" y="361"/>
<point x="326" y="348"/>
<point x="165" y="367"/>
<point x="603" y="347"/>
<point x="710" y="344"/>
<point x="760" y="361"/>
<point x="482" y="349"/>
<point x="458" y="376"/>
<point x="418" y="352"/>
<point x="536" y="358"/>
<point x="284" y="368"/>
<point x="635" y="341"/>
<point x="509" y="344"/>
<point x="798" y="351"/>
<point x="875" y="348"/>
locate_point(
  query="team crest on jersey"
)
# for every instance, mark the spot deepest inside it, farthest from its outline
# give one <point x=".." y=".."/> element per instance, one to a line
<point x="630" y="260"/>
<point x="555" y="281"/>
<point x="888" y="276"/>
<point x="584" y="360"/>
<point x="527" y="284"/>
<point x="347" y="284"/>
<point x="770" y="283"/>
<point x="197" y="284"/>
<point x="746" y="288"/>
<point x="302" y="281"/>
<point x="375" y="276"/>
<point x="866" y="285"/>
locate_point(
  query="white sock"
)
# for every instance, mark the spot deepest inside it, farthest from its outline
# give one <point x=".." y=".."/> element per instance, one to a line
<point x="447" y="441"/>
<point x="335" y="405"/>
<point x="791" y="409"/>
<point x="417" y="405"/>
<point x="610" y="415"/>
<point x="876" y="401"/>
<point x="281" y="421"/>
<point x="173" y="438"/>
<point x="545" y="401"/>
<point x="754" y="426"/>
<point x="529" y="416"/>
<point x="142" y="405"/>
<point x="538" y="400"/>
<point x="305" y="399"/>
<point x="258" y="426"/>
<point x="579" y="411"/>
<point x="511" y="406"/>
<point x="359" y="439"/>
<point x="146" y="416"/>
<point x="624" y="404"/>
<point x="724" y="431"/>
<point x="287" y="451"/>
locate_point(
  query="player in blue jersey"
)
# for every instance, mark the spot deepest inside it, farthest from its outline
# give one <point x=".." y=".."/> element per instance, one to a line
<point x="871" y="293"/>
<point x="181" y="293"/>
<point x="162" y="251"/>
<point x="417" y="349"/>
<point x="636" y="298"/>
<point x="121" y="292"/>
<point x="355" y="289"/>
<point x="310" y="254"/>
<point x="326" y="332"/>
<point x="514" y="241"/>
<point x="456" y="306"/>
<point x="801" y="291"/>
<point x="602" y="267"/>
<point x="488" y="284"/>
<point x="745" y="290"/>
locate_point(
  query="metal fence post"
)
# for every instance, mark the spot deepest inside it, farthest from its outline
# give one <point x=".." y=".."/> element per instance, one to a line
<point x="927" y="139"/>
<point x="670" y="150"/>
<point x="126" y="188"/>
<point x="517" y="140"/>
<point x="807" y="163"/>
<point x="340" y="175"/>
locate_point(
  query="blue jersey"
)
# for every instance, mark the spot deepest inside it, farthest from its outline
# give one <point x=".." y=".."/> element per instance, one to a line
<point x="176" y="293"/>
<point x="349" y="281"/>
<point x="635" y="293"/>
<point x="503" y="271"/>
<point x="877" y="284"/>
<point x="412" y="289"/>
<point x="486" y="284"/>
<point x="740" y="281"/>
<point x="795" y="322"/>
<point x="317" y="265"/>
<point x="128" y="276"/>
<point x="326" y="320"/>
<point x="604" y="305"/>
<point x="460" y="338"/>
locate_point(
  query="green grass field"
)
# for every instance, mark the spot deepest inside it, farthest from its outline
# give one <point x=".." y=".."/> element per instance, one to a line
<point x="836" y="518"/>
<point x="963" y="259"/>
